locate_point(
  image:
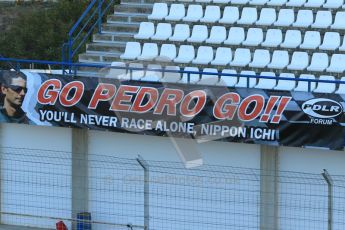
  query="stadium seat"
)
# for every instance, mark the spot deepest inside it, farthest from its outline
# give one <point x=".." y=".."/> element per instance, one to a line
<point x="230" y="15"/>
<point x="204" y="55"/>
<point x="274" y="37"/>
<point x="333" y="4"/>
<point x="203" y="1"/>
<point x="163" y="32"/>
<point x="199" y="34"/>
<point x="159" y="12"/>
<point x="152" y="75"/>
<point x="299" y="61"/>
<point x="304" y="85"/>
<point x="193" y="77"/>
<point x="186" y="54"/>
<point x="258" y="2"/>
<point x="319" y="62"/>
<point x="171" y="77"/>
<point x="323" y="20"/>
<point x="236" y="36"/>
<point x="255" y="37"/>
<point x="293" y="39"/>
<point x="304" y="18"/>
<point x="217" y="35"/>
<point x="118" y="72"/>
<point x="285" y="17"/>
<point x="339" y="21"/>
<point x="245" y="81"/>
<point x="261" y="59"/>
<point x="341" y="87"/>
<point x="229" y="81"/>
<point x="242" y="2"/>
<point x="176" y="13"/>
<point x="267" y="17"/>
<point x="136" y="74"/>
<point x="221" y="1"/>
<point x="208" y="79"/>
<point x="337" y="64"/>
<point x="295" y="3"/>
<point x="132" y="51"/>
<point x="181" y="33"/>
<point x="194" y="13"/>
<point x="277" y="2"/>
<point x="242" y="58"/>
<point x="312" y="40"/>
<point x="280" y="59"/>
<point x="212" y="14"/>
<point x="331" y="41"/>
<point x="325" y="87"/>
<point x="223" y="56"/>
<point x="167" y="53"/>
<point x="265" y="83"/>
<point x="146" y="30"/>
<point x="314" y="3"/>
<point x="286" y="85"/>
<point x="149" y="52"/>
<point x="248" y="17"/>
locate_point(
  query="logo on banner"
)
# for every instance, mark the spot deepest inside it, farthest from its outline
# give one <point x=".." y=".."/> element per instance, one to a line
<point x="322" y="110"/>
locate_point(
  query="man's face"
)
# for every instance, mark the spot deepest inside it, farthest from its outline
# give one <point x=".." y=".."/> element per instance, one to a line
<point x="15" y="93"/>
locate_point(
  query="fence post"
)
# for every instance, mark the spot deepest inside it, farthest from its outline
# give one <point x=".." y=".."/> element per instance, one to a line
<point x="145" y="166"/>
<point x="329" y="182"/>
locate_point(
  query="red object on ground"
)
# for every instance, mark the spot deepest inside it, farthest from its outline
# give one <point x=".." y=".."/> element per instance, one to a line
<point x="61" y="226"/>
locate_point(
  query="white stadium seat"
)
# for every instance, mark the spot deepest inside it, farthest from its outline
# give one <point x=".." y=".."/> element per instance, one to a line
<point x="159" y="12"/>
<point x="229" y="80"/>
<point x="267" y="17"/>
<point x="314" y="3"/>
<point x="341" y="88"/>
<point x="261" y="59"/>
<point x="323" y="20"/>
<point x="146" y="30"/>
<point x="167" y="53"/>
<point x="236" y="36"/>
<point x="176" y="13"/>
<point x="304" y="18"/>
<point x="171" y="77"/>
<point x="132" y="51"/>
<point x="295" y="3"/>
<point x="181" y="33"/>
<point x="265" y="83"/>
<point x="339" y="21"/>
<point x="319" y="62"/>
<point x="186" y="54"/>
<point x="230" y="15"/>
<point x="208" y="79"/>
<point x="163" y="32"/>
<point x="325" y="87"/>
<point x="299" y="61"/>
<point x="204" y="55"/>
<point x="305" y="86"/>
<point x="217" y="35"/>
<point x="280" y="59"/>
<point x="312" y="40"/>
<point x="274" y="37"/>
<point x="284" y="84"/>
<point x="199" y="34"/>
<point x="242" y="58"/>
<point x="285" y="17"/>
<point x="245" y="81"/>
<point x="293" y="39"/>
<point x="203" y="1"/>
<point x="223" y="56"/>
<point x="337" y="64"/>
<point x="333" y="4"/>
<point x="331" y="41"/>
<point x="137" y="71"/>
<point x="149" y="52"/>
<point x="258" y="2"/>
<point x="193" y="77"/>
<point x="221" y="1"/>
<point x="277" y="2"/>
<point x="119" y="71"/>
<point x="255" y="37"/>
<point x="194" y="13"/>
<point x="248" y="17"/>
<point x="242" y="2"/>
<point x="153" y="73"/>
<point x="212" y="14"/>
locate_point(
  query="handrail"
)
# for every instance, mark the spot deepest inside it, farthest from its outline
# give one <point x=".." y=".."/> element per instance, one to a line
<point x="82" y="29"/>
<point x="94" y="65"/>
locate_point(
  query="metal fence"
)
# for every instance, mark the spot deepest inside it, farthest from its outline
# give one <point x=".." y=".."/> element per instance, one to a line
<point x="36" y="188"/>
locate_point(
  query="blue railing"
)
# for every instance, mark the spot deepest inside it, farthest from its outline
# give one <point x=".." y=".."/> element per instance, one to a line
<point x="83" y="28"/>
<point x="74" y="66"/>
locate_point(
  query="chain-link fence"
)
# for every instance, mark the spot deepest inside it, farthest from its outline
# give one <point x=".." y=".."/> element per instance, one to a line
<point x="37" y="188"/>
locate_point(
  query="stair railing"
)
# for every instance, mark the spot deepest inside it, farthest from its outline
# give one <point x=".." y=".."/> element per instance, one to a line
<point x="83" y="28"/>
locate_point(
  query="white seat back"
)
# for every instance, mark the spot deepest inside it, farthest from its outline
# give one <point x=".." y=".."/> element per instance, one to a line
<point x="339" y="21"/>
<point x="199" y="34"/>
<point x="217" y="35"/>
<point x="280" y="59"/>
<point x="267" y="17"/>
<point x="331" y="41"/>
<point x="230" y="80"/>
<point x="167" y="53"/>
<point x="295" y="3"/>
<point x="149" y="52"/>
<point x="242" y="57"/>
<point x="274" y="37"/>
<point x="299" y="61"/>
<point x="323" y="19"/>
<point x="341" y="87"/>
<point x="118" y="71"/>
<point x="181" y="33"/>
<point x="319" y="62"/>
<point x="171" y="77"/>
<point x="236" y="36"/>
<point x="305" y="86"/>
<point x="325" y="87"/>
<point x="245" y="81"/>
<point x="261" y="59"/>
<point x="304" y="18"/>
<point x="204" y="55"/>
<point x="212" y="14"/>
<point x="312" y="40"/>
<point x="333" y="4"/>
<point x="193" y="77"/>
<point x="132" y="51"/>
<point x="146" y="30"/>
<point x="230" y="15"/>
<point x="223" y="56"/>
<point x="163" y="32"/>
<point x="285" y="17"/>
<point x="194" y="13"/>
<point x="265" y="83"/>
<point x="176" y="13"/>
<point x="337" y="63"/>
<point x="159" y="11"/>
<point x="186" y="54"/>
<point x="276" y="2"/>
<point x="255" y="37"/>
<point x="248" y="17"/>
<point x="285" y="84"/>
<point x="314" y="3"/>
<point x="209" y="79"/>
<point x="293" y="38"/>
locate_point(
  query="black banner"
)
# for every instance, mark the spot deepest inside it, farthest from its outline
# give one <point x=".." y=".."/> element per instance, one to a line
<point x="195" y="111"/>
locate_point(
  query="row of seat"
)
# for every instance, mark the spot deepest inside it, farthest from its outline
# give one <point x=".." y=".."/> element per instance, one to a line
<point x="227" y="77"/>
<point x="260" y="58"/>
<point x="327" y="4"/>
<point x="239" y="36"/>
<point x="248" y="16"/>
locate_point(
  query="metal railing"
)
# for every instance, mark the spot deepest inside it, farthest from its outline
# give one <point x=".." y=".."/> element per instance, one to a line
<point x="82" y="29"/>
